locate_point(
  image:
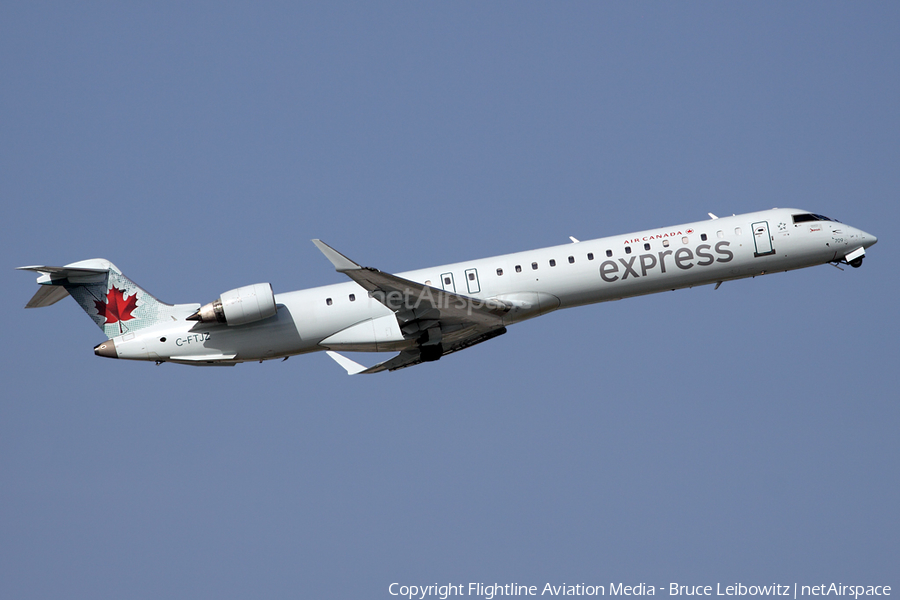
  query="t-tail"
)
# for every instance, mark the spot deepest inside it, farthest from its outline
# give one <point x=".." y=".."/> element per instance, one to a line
<point x="115" y="303"/>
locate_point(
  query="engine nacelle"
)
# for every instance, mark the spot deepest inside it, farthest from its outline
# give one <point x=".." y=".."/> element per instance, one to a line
<point x="238" y="307"/>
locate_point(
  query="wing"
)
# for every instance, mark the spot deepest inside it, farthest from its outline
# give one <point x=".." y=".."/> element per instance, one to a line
<point x="411" y="357"/>
<point x="439" y="321"/>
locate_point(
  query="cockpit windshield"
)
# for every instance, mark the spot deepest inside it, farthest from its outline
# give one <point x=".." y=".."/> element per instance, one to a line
<point x="806" y="217"/>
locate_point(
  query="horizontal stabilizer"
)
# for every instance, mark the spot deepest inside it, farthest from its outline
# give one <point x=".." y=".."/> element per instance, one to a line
<point x="53" y="280"/>
<point x="47" y="295"/>
<point x="73" y="274"/>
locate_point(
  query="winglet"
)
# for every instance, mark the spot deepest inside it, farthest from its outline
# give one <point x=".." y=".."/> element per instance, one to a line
<point x="352" y="367"/>
<point x="341" y="263"/>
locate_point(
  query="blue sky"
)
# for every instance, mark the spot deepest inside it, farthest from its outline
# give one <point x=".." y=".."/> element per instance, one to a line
<point x="747" y="434"/>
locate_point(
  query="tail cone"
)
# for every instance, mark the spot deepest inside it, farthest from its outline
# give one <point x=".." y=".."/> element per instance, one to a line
<point x="107" y="349"/>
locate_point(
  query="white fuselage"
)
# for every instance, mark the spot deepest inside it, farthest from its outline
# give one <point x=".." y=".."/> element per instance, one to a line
<point x="343" y="316"/>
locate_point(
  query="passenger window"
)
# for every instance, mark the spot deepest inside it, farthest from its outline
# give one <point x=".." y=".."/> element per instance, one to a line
<point x="534" y="266"/>
<point x="665" y="243"/>
<point x="518" y="268"/>
<point x="702" y="237"/>
<point x="646" y="246"/>
<point x="609" y="253"/>
<point x="571" y="259"/>
<point x="684" y="240"/>
<point x="471" y="276"/>
<point x="627" y="249"/>
<point x="737" y="231"/>
<point x="720" y="234"/>
<point x="552" y="262"/>
<point x="352" y="297"/>
<point x="590" y="256"/>
<point x="328" y="301"/>
<point x="446" y="281"/>
<point x="499" y="271"/>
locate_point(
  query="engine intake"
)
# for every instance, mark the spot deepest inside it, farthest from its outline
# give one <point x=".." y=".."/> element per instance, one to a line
<point x="237" y="307"/>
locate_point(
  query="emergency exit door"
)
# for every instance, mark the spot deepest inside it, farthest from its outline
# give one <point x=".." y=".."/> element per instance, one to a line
<point x="762" y="239"/>
<point x="447" y="282"/>
<point x="472" y="281"/>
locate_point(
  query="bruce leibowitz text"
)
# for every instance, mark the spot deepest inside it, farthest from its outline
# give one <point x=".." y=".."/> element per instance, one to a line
<point x="489" y="591"/>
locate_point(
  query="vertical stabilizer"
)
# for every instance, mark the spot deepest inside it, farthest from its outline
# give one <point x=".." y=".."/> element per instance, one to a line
<point x="115" y="303"/>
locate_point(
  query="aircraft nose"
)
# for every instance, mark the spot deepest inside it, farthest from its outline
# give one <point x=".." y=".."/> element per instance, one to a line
<point x="867" y="239"/>
<point x="107" y="349"/>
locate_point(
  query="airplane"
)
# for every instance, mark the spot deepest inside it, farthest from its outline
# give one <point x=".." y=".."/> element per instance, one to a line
<point x="426" y="314"/>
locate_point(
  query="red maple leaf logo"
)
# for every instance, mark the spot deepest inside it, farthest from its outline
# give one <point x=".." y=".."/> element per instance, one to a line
<point x="116" y="308"/>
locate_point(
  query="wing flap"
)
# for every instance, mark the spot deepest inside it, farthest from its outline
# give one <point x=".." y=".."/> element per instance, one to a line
<point x="407" y="358"/>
